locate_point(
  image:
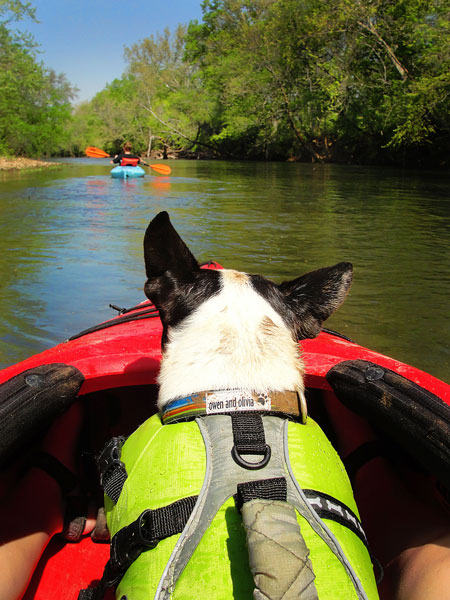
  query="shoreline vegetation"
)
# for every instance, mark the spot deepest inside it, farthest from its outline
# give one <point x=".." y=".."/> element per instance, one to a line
<point x="21" y="163"/>
<point x="255" y="80"/>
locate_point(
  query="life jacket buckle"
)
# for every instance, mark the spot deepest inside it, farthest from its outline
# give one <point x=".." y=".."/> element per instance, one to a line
<point x="109" y="458"/>
<point x="129" y="542"/>
<point x="109" y="469"/>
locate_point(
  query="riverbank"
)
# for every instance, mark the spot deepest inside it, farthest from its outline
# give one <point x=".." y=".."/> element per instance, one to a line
<point x="20" y="163"/>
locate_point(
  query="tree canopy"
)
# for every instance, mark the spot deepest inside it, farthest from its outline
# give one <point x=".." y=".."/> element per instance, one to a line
<point x="321" y="80"/>
<point x="348" y="80"/>
<point x="34" y="101"/>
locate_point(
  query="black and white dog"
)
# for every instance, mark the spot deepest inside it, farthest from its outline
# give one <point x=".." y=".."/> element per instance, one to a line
<point x="223" y="329"/>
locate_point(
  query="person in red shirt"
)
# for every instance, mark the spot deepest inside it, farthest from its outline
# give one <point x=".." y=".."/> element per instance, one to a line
<point x="126" y="158"/>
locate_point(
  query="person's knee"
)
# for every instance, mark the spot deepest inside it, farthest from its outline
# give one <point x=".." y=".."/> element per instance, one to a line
<point x="424" y="572"/>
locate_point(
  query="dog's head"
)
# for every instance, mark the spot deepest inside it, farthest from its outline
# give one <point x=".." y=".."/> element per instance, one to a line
<point x="229" y="323"/>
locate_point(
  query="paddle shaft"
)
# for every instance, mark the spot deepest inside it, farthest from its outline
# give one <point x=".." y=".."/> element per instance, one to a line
<point x="93" y="152"/>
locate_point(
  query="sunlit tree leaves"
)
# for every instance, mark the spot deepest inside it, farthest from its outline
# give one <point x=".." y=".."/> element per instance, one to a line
<point x="34" y="101"/>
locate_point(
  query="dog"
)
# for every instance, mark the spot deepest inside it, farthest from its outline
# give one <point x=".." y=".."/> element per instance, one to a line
<point x="223" y="329"/>
<point x="231" y="448"/>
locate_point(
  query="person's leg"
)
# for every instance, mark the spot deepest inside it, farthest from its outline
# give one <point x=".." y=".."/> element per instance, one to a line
<point x="28" y="520"/>
<point x="33" y="512"/>
<point x="421" y="573"/>
<point x="408" y="529"/>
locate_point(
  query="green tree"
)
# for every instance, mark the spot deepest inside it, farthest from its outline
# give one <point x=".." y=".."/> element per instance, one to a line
<point x="34" y="101"/>
<point x="320" y="77"/>
<point x="15" y="10"/>
<point x="109" y="119"/>
<point x="399" y="63"/>
<point x="169" y="91"/>
<point x="349" y="80"/>
<point x="229" y="50"/>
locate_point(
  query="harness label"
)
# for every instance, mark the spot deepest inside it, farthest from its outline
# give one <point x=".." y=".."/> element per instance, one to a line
<point x="232" y="401"/>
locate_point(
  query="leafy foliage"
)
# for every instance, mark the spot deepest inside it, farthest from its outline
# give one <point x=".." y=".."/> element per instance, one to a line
<point x="109" y="119"/>
<point x="34" y="101"/>
<point x="321" y="80"/>
<point x="326" y="79"/>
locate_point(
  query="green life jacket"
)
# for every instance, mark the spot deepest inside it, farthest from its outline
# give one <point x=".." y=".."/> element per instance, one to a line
<point x="185" y="474"/>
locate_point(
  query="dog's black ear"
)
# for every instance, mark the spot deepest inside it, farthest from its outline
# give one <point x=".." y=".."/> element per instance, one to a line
<point x="165" y="251"/>
<point x="315" y="296"/>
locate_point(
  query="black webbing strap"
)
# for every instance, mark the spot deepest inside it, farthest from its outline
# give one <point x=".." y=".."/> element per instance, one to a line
<point x="145" y="533"/>
<point x="248" y="433"/>
<point x="123" y="311"/>
<point x="126" y="318"/>
<point x="262" y="489"/>
<point x="328" y="507"/>
<point x="76" y="503"/>
<point x="362" y="455"/>
<point x="249" y="439"/>
<point x="111" y="469"/>
<point x="66" y="480"/>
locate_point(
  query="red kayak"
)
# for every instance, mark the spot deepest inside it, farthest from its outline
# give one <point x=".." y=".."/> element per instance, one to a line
<point x="113" y="368"/>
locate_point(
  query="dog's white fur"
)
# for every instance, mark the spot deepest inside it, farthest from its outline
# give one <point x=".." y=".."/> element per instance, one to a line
<point x="225" y="330"/>
<point x="233" y="340"/>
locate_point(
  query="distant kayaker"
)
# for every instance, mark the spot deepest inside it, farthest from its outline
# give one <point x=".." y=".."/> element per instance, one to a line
<point x="126" y="158"/>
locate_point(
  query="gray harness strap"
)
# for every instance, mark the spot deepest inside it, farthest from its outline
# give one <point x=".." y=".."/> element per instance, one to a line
<point x="221" y="479"/>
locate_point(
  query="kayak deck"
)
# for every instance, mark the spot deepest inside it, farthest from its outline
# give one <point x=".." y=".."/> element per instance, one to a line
<point x="65" y="568"/>
<point x="127" y="172"/>
<point x="120" y="361"/>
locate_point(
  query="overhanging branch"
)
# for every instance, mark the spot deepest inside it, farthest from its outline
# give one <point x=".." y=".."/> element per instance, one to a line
<point x="403" y="71"/>
<point x="185" y="137"/>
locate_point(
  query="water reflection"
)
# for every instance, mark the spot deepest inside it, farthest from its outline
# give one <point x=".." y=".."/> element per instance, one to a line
<point x="71" y="243"/>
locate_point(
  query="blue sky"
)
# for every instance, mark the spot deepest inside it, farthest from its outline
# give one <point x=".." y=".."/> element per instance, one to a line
<point x="85" y="38"/>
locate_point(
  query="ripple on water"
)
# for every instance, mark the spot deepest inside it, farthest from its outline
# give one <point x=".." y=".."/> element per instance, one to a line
<point x="71" y="243"/>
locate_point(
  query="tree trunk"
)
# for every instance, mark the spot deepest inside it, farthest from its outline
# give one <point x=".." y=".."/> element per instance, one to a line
<point x="149" y="146"/>
<point x="299" y="135"/>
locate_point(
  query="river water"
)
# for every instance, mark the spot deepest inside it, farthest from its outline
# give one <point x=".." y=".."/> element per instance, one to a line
<point x="71" y="244"/>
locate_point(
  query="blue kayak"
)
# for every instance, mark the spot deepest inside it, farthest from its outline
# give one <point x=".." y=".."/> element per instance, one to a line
<point x="125" y="172"/>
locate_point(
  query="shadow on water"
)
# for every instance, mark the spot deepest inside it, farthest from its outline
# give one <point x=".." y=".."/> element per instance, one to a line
<point x="71" y="243"/>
